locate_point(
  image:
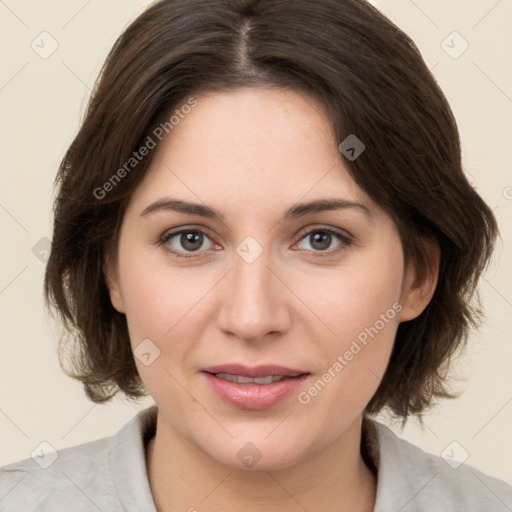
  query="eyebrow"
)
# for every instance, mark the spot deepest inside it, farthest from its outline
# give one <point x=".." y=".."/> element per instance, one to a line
<point x="296" y="211"/>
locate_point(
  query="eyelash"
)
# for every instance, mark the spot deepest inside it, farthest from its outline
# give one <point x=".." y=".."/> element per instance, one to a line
<point x="345" y="241"/>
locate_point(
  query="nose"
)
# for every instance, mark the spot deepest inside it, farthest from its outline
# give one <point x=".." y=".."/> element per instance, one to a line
<point x="254" y="300"/>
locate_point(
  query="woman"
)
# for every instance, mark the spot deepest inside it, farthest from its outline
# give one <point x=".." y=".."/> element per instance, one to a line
<point x="263" y="223"/>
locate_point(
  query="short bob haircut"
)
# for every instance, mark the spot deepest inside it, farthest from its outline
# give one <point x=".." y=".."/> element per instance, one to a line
<point x="373" y="82"/>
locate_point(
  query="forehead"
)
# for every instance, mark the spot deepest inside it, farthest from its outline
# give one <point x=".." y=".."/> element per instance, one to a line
<point x="251" y="149"/>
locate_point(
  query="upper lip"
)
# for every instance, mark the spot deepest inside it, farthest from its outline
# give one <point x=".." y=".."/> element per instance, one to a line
<point x="254" y="371"/>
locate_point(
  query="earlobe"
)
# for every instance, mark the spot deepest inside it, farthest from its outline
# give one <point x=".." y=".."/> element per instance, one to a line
<point x="419" y="290"/>
<point x="112" y="280"/>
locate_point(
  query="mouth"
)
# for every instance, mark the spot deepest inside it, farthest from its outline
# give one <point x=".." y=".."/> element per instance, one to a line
<point x="242" y="379"/>
<point x="253" y="372"/>
<point x="255" y="388"/>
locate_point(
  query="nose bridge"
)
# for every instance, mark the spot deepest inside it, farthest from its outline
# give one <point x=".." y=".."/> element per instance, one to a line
<point x="252" y="276"/>
<point x="253" y="304"/>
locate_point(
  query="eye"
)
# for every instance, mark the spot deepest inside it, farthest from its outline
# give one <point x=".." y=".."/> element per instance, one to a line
<point x="321" y="240"/>
<point x="186" y="241"/>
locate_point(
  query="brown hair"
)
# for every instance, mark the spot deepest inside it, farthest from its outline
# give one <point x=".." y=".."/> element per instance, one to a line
<point x="373" y="82"/>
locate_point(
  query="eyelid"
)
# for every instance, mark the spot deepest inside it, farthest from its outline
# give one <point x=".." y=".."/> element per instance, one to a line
<point x="344" y="234"/>
<point x="184" y="229"/>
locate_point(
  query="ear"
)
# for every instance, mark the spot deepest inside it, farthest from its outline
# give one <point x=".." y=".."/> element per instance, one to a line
<point x="112" y="279"/>
<point x="418" y="290"/>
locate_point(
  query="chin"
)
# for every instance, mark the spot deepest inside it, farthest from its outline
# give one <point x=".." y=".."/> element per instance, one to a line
<point x="257" y="452"/>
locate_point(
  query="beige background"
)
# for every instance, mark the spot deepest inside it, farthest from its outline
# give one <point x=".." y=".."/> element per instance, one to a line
<point x="42" y="101"/>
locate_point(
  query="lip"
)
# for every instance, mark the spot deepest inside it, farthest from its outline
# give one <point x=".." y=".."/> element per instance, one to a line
<point x="254" y="396"/>
<point x="254" y="371"/>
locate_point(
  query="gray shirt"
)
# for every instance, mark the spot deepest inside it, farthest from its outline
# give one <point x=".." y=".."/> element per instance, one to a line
<point x="110" y="475"/>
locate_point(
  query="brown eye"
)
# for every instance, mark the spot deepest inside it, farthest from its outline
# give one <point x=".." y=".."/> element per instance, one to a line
<point x="186" y="241"/>
<point x="191" y="240"/>
<point x="322" y="240"/>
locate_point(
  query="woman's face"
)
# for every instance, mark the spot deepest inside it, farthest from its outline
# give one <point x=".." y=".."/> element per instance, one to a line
<point x="265" y="280"/>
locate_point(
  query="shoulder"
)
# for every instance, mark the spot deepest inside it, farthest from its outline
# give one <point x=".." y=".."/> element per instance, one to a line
<point x="97" y="475"/>
<point x="52" y="480"/>
<point x="414" y="480"/>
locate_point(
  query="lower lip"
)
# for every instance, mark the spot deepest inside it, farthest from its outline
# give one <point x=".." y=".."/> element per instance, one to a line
<point x="254" y="396"/>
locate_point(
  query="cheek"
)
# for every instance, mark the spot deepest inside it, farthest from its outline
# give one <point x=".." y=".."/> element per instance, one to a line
<point x="160" y="308"/>
<point x="157" y="297"/>
<point x="359" y="311"/>
<point x="353" y="298"/>
<point x="165" y="305"/>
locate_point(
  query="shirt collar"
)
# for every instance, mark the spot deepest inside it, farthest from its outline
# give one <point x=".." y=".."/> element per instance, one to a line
<point x="127" y="460"/>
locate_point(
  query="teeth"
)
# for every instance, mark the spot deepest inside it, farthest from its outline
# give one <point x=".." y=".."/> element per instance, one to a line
<point x="241" y="379"/>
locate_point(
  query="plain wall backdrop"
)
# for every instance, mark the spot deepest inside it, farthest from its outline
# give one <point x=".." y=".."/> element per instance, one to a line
<point x="52" y="54"/>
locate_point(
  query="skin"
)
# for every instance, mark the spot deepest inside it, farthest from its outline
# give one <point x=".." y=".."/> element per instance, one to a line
<point x="252" y="154"/>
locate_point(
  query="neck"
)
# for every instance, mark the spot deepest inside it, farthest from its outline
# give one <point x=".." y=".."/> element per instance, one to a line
<point x="334" y="478"/>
